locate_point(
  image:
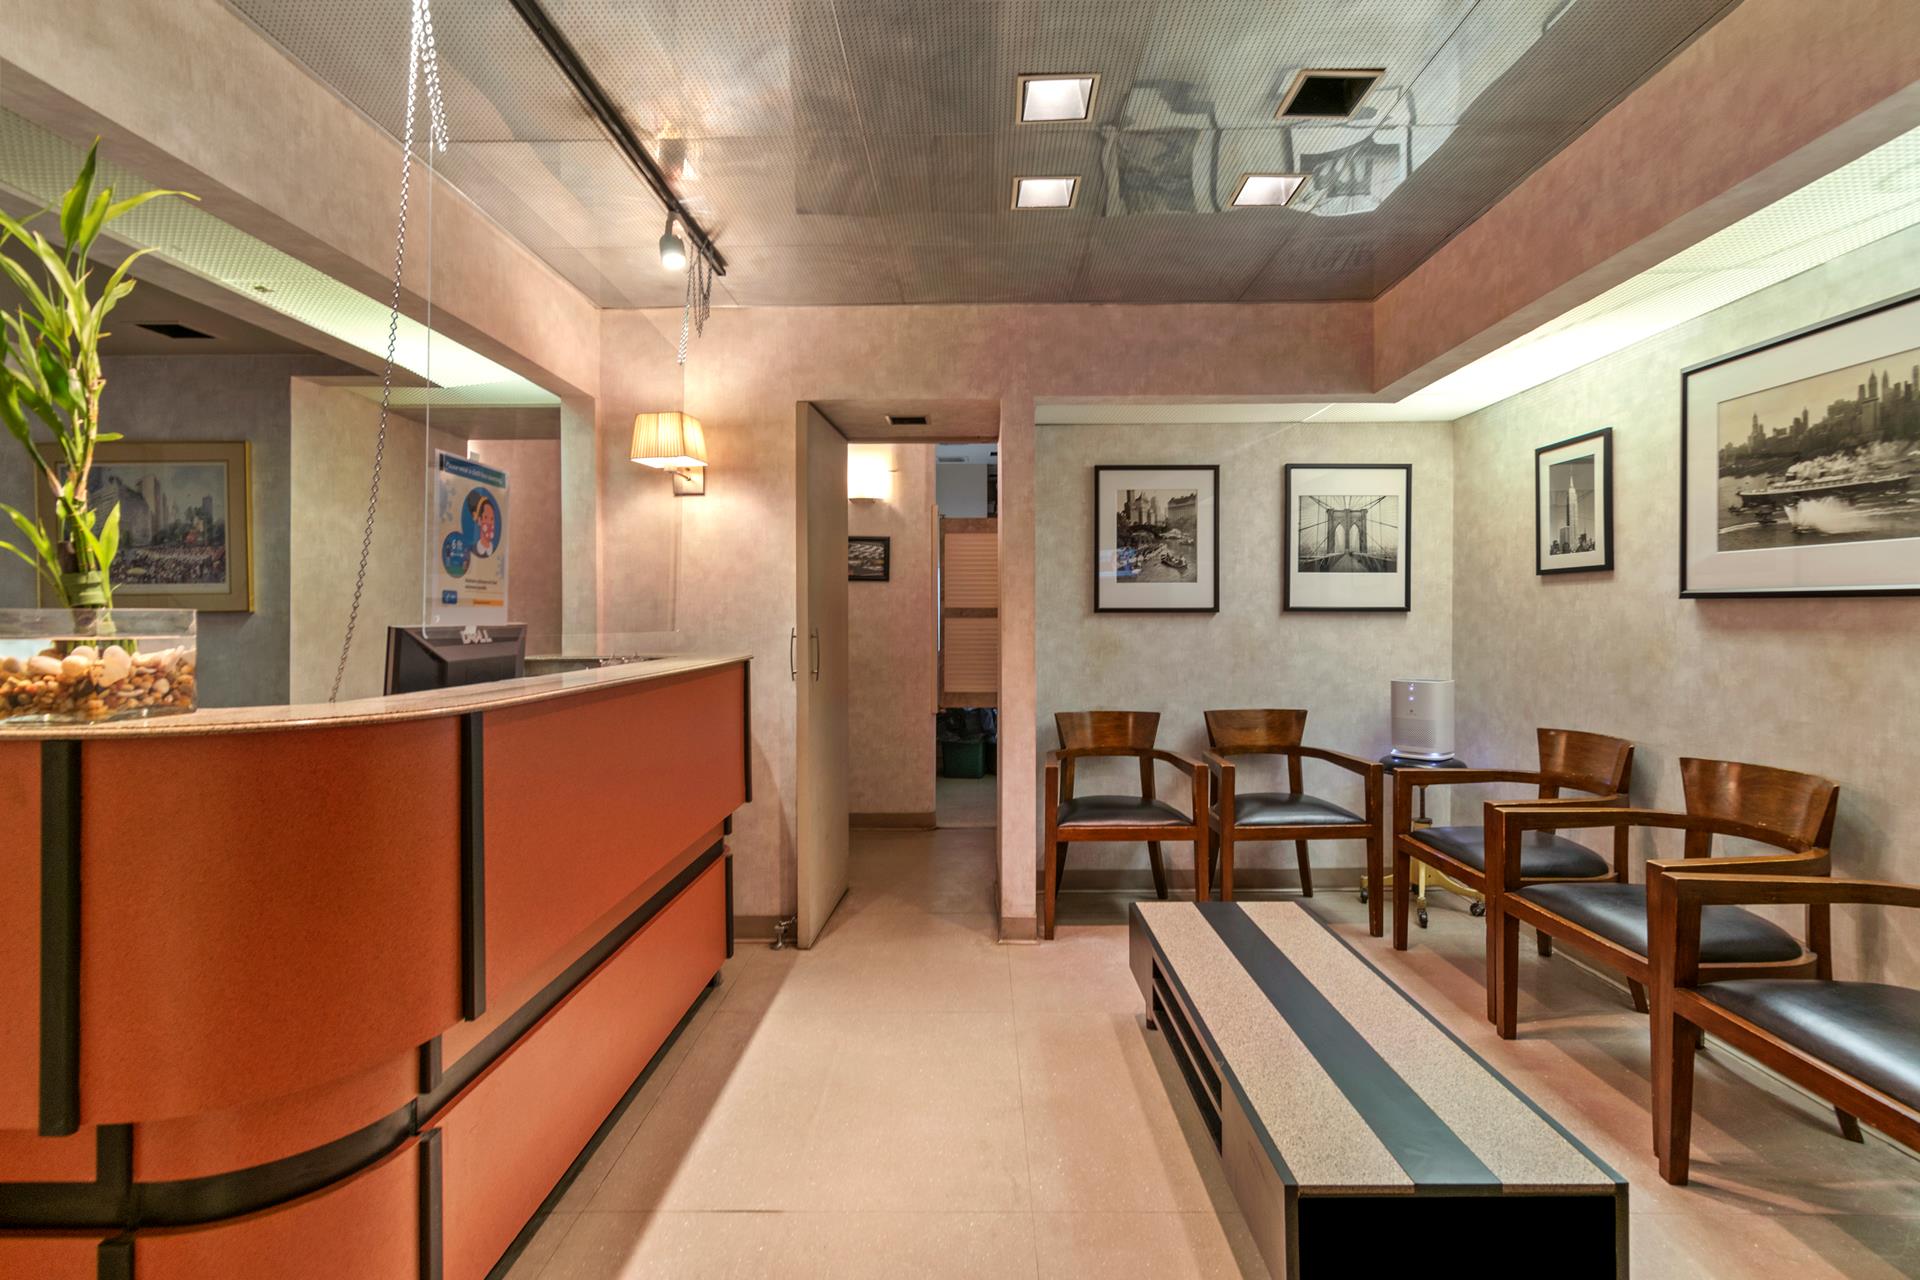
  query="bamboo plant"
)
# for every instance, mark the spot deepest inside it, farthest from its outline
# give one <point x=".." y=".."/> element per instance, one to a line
<point x="50" y="383"/>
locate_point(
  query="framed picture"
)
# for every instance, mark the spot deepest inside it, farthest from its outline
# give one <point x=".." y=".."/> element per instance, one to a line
<point x="869" y="559"/>
<point x="1573" y="504"/>
<point x="1156" y="539"/>
<point x="1347" y="537"/>
<point x="1800" y="462"/>
<point x="186" y="523"/>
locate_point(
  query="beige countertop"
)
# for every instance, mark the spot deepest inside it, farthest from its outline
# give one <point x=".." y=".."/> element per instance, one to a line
<point x="362" y="711"/>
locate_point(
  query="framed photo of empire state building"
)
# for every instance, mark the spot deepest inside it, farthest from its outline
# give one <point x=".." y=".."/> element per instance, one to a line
<point x="1573" y="504"/>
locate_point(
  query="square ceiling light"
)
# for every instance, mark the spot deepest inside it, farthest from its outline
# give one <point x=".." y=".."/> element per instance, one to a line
<point x="1045" y="193"/>
<point x="1267" y="189"/>
<point x="1327" y="95"/>
<point x="1056" y="99"/>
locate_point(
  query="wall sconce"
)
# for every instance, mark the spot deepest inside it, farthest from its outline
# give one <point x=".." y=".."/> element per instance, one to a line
<point x="675" y="443"/>
<point x="869" y="475"/>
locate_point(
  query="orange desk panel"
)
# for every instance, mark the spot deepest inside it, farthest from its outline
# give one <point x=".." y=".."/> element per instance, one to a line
<point x="289" y="916"/>
<point x="588" y="797"/>
<point x="512" y="1133"/>
<point x="19" y="935"/>
<point x="25" y="1156"/>
<point x="49" y="1257"/>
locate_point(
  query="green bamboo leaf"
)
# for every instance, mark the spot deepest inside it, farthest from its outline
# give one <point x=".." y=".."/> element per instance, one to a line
<point x="32" y="563"/>
<point x="110" y="538"/>
<point x="35" y="535"/>
<point x="122" y="207"/>
<point x="90" y="225"/>
<point x="108" y="437"/>
<point x="73" y="211"/>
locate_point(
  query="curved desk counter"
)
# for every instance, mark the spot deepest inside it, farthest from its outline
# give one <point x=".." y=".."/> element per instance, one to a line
<point x="344" y="991"/>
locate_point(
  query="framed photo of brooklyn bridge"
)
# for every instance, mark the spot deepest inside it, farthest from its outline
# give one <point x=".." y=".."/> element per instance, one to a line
<point x="1800" y="462"/>
<point x="1347" y="537"/>
<point x="1156" y="539"/>
<point x="1573" y="504"/>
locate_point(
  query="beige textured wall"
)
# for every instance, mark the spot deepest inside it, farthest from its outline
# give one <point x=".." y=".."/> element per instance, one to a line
<point x="890" y="644"/>
<point x="1827" y="686"/>
<point x="1250" y="654"/>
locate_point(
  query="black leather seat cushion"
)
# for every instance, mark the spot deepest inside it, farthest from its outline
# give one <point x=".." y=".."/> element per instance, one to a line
<point x="1618" y="912"/>
<point x="1288" y="809"/>
<point x="1120" y="811"/>
<point x="1869" y="1030"/>
<point x="1543" y="855"/>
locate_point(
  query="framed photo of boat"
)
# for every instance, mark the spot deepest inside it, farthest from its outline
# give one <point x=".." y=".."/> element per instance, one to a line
<point x="1156" y="539"/>
<point x="1347" y="531"/>
<point x="1573" y="504"/>
<point x="1800" y="462"/>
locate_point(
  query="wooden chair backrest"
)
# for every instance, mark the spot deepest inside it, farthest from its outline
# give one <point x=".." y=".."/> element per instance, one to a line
<point x="1590" y="762"/>
<point x="1259" y="732"/>
<point x="1798" y="807"/>
<point x="1108" y="733"/>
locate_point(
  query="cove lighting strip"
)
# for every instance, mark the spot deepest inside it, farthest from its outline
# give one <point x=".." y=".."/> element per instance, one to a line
<point x="39" y="165"/>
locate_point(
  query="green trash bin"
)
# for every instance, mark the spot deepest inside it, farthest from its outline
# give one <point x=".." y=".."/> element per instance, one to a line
<point x="963" y="758"/>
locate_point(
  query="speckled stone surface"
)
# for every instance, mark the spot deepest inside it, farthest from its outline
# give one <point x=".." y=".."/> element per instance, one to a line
<point x="405" y="706"/>
<point x="1324" y="1140"/>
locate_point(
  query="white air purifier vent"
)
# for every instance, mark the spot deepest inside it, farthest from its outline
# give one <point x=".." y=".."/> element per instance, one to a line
<point x="1422" y="719"/>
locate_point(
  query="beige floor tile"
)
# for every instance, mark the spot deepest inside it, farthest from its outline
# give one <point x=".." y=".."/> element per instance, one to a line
<point x="1083" y="970"/>
<point x="967" y="802"/>
<point x="1707" y="1244"/>
<point x="669" y="1246"/>
<point x="927" y="1246"/>
<point x="1106" y="1129"/>
<point x="884" y="960"/>
<point x="1146" y="1246"/>
<point x="547" y="1235"/>
<point x="942" y="872"/>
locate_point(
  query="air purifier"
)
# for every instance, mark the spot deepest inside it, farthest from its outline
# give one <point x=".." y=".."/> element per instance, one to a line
<point x="1422" y="719"/>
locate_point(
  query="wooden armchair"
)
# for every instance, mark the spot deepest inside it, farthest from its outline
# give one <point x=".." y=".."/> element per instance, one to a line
<point x="1123" y="819"/>
<point x="1855" y="1044"/>
<point x="1285" y="815"/>
<point x="1606" y="921"/>
<point x="1589" y="762"/>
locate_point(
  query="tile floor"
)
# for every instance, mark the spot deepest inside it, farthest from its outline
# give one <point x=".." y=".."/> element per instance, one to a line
<point x="910" y="1098"/>
<point x="966" y="802"/>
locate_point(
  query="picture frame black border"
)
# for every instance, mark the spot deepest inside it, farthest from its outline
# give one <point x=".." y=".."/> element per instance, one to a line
<point x="1605" y="436"/>
<point x="886" y="550"/>
<point x="1776" y="593"/>
<point x="1286" y="540"/>
<point x="1213" y="471"/>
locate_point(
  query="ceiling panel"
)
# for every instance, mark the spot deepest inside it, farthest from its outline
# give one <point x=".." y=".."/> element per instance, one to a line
<point x="847" y="151"/>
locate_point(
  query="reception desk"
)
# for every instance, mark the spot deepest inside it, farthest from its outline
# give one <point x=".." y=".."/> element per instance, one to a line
<point x="344" y="991"/>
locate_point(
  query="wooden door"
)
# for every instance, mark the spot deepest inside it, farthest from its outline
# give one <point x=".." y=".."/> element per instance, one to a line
<point x="969" y="613"/>
<point x="820" y="673"/>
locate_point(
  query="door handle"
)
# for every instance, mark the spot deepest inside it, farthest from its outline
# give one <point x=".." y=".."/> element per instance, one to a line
<point x="816" y="655"/>
<point x="793" y="647"/>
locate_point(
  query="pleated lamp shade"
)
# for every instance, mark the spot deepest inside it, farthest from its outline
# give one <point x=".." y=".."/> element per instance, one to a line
<point x="670" y="441"/>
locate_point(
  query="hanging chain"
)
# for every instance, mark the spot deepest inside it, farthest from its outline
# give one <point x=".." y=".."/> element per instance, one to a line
<point x="423" y="64"/>
<point x="699" y="299"/>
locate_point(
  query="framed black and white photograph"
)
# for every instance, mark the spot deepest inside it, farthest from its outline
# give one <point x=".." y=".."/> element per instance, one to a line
<point x="1347" y="531"/>
<point x="869" y="559"/>
<point x="1156" y="539"/>
<point x="1800" y="462"/>
<point x="1573" y="504"/>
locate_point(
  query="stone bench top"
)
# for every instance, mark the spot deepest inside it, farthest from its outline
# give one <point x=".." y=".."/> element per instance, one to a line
<point x="1352" y="1086"/>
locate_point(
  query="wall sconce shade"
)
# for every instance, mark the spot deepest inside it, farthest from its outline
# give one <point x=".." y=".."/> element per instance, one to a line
<point x="869" y="476"/>
<point x="672" y="441"/>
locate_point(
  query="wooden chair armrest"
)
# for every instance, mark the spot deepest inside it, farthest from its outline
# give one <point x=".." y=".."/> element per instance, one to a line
<point x="1467" y="777"/>
<point x="1545" y="816"/>
<point x="1690" y="890"/>
<point x="1220" y="772"/>
<point x="1198" y="772"/>
<point x="1185" y="763"/>
<point x="1341" y="760"/>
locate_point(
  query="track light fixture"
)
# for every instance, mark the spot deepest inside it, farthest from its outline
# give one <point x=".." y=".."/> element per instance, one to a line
<point x="673" y="251"/>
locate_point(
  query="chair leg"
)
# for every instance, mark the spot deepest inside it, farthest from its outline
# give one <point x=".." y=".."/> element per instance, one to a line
<point x="1306" y="868"/>
<point x="1849" y="1126"/>
<point x="1402" y="868"/>
<point x="1376" y="901"/>
<point x="1543" y="942"/>
<point x="1223" y="858"/>
<point x="1673" y="1049"/>
<point x="1639" y="993"/>
<point x="1159" y="869"/>
<point x="1503" y="973"/>
<point x="1056" y="868"/>
<point x="1202" y="865"/>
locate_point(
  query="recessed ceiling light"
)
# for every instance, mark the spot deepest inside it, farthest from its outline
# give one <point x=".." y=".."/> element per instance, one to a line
<point x="1050" y="99"/>
<point x="1327" y="95"/>
<point x="1258" y="189"/>
<point x="1045" y="193"/>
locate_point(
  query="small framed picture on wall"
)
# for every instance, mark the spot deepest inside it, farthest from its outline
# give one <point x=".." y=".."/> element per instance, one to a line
<point x="1156" y="539"/>
<point x="1347" y="531"/>
<point x="869" y="559"/>
<point x="1573" y="504"/>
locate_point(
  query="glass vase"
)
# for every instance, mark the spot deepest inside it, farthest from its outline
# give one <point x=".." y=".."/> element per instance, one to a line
<point x="86" y="666"/>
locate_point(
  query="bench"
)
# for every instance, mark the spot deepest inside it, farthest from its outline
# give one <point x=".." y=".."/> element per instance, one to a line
<point x="1345" y="1115"/>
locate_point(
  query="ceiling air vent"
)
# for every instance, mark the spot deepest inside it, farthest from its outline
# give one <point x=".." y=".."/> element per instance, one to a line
<point x="906" y="419"/>
<point x="176" y="331"/>
<point x="1327" y="95"/>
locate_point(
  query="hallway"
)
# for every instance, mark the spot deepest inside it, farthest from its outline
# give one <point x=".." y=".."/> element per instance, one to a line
<point x="911" y="1098"/>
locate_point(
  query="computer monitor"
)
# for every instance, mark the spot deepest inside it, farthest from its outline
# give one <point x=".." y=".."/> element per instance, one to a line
<point x="442" y="657"/>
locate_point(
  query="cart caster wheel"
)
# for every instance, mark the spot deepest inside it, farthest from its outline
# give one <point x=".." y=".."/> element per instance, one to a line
<point x="1476" y="909"/>
<point x="1423" y="917"/>
<point x="1363" y="895"/>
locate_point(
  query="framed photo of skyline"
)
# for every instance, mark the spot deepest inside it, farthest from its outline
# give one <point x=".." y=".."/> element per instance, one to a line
<point x="1573" y="504"/>
<point x="1156" y="539"/>
<point x="1347" y="537"/>
<point x="1800" y="462"/>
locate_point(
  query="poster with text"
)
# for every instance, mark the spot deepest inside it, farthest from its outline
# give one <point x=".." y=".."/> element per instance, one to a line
<point x="467" y="542"/>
